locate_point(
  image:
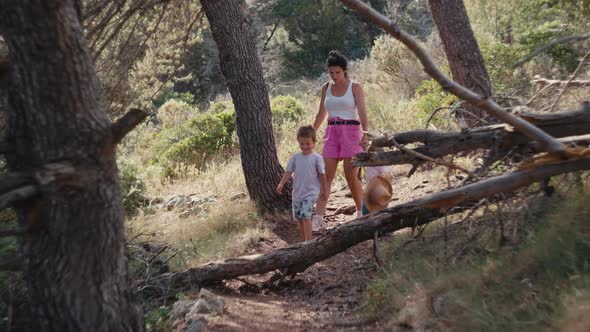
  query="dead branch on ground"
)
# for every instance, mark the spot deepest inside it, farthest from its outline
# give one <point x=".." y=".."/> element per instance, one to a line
<point x="438" y="144"/>
<point x="298" y="257"/>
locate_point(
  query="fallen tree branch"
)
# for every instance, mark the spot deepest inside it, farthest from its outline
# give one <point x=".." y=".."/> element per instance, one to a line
<point x="298" y="257"/>
<point x="549" y="82"/>
<point x="546" y="142"/>
<point x="438" y="144"/>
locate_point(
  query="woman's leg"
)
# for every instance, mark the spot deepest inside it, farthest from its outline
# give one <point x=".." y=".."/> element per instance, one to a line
<point x="354" y="183"/>
<point x="331" y="166"/>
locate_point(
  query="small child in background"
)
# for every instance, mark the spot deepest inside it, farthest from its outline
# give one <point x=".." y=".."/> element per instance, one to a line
<point x="309" y="180"/>
<point x="373" y="171"/>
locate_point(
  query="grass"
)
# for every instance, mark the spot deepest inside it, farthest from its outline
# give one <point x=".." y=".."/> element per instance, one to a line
<point x="230" y="229"/>
<point x="541" y="283"/>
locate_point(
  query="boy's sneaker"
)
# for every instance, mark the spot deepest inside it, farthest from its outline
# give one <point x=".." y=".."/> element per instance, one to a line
<point x="317" y="223"/>
<point x="359" y="214"/>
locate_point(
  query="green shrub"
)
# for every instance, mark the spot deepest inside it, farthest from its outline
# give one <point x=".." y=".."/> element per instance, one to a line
<point x="195" y="141"/>
<point x="564" y="55"/>
<point x="159" y="319"/>
<point x="132" y="186"/>
<point x="167" y="92"/>
<point x="500" y="59"/>
<point x="430" y="96"/>
<point x="285" y="108"/>
<point x="174" y="112"/>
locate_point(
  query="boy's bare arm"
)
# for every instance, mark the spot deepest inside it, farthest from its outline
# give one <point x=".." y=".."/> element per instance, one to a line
<point x="323" y="187"/>
<point x="284" y="180"/>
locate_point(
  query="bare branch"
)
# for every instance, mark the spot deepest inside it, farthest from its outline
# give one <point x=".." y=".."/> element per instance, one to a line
<point x="549" y="82"/>
<point x="547" y="142"/>
<point x="14" y="180"/>
<point x="576" y="72"/>
<point x="126" y="123"/>
<point x="16" y="195"/>
<point x="436" y="161"/>
<point x="556" y="41"/>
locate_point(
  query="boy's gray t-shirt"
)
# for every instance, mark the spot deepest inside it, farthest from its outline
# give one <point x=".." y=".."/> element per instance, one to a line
<point x="306" y="175"/>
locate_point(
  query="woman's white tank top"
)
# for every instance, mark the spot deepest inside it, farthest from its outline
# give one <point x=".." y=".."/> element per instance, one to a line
<point x="340" y="107"/>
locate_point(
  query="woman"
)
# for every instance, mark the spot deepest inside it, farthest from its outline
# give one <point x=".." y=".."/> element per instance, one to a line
<point x="343" y="101"/>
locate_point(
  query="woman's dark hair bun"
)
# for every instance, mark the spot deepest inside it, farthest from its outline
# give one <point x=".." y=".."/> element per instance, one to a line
<point x="336" y="59"/>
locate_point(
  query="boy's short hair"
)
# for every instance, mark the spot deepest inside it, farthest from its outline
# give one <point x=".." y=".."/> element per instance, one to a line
<point x="306" y="131"/>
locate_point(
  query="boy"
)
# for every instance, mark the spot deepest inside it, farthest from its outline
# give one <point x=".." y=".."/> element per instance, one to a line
<point x="309" y="180"/>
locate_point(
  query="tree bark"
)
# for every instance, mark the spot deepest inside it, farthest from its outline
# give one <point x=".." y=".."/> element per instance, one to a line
<point x="75" y="244"/>
<point x="242" y="70"/>
<point x="463" y="54"/>
<point x="439" y="144"/>
<point x="297" y="257"/>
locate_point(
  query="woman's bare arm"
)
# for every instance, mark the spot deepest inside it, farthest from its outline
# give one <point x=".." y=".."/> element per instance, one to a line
<point x="359" y="98"/>
<point x="321" y="116"/>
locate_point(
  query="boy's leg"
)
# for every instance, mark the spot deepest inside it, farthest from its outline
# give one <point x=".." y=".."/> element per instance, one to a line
<point x="305" y="217"/>
<point x="301" y="229"/>
<point x="305" y="224"/>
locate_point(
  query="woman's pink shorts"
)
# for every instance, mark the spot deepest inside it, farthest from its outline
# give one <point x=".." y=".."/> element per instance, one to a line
<point x="342" y="139"/>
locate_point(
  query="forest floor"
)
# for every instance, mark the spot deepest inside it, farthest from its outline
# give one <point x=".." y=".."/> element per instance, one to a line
<point x="329" y="295"/>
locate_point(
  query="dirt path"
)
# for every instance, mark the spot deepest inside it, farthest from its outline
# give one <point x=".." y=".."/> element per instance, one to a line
<point x="327" y="296"/>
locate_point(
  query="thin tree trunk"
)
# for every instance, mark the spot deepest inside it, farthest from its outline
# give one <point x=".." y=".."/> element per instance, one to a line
<point x="75" y="244"/>
<point x="243" y="72"/>
<point x="465" y="59"/>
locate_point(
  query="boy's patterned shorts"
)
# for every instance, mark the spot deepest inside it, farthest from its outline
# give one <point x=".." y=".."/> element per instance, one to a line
<point x="303" y="209"/>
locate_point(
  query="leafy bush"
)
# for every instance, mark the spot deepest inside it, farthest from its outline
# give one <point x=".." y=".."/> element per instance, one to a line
<point x="285" y="108"/>
<point x="500" y="59"/>
<point x="174" y="112"/>
<point x="167" y="92"/>
<point x="430" y="96"/>
<point x="195" y="141"/>
<point x="563" y="54"/>
<point x="132" y="186"/>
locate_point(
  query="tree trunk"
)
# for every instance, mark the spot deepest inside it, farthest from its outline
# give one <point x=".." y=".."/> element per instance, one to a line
<point x="463" y="54"/>
<point x="243" y="72"/>
<point x="75" y="243"/>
